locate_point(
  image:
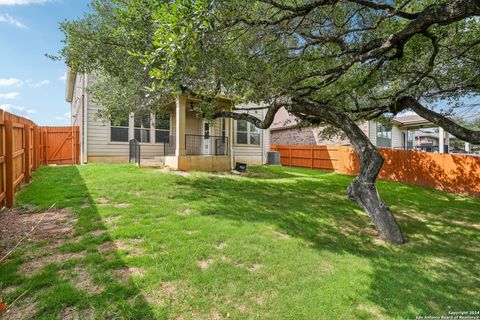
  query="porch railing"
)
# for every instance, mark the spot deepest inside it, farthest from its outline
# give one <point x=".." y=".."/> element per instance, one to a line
<point x="206" y="145"/>
<point x="134" y="152"/>
<point x="168" y="145"/>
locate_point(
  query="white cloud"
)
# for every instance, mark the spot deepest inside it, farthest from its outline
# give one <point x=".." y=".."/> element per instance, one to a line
<point x="16" y="109"/>
<point x="20" y="2"/>
<point x="41" y="83"/>
<point x="66" y="118"/>
<point x="9" y="96"/>
<point x="10" y="82"/>
<point x="11" y="20"/>
<point x="63" y="78"/>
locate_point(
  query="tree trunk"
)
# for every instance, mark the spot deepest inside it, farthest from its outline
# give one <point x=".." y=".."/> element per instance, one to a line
<point x="363" y="189"/>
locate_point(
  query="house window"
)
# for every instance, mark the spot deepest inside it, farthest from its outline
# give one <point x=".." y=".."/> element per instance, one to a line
<point x="119" y="130"/>
<point x="247" y="133"/>
<point x="142" y="127"/>
<point x="223" y="128"/>
<point x="162" y="128"/>
<point x="384" y="135"/>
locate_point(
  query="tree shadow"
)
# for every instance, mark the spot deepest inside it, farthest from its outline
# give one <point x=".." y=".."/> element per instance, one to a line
<point x="96" y="283"/>
<point x="434" y="273"/>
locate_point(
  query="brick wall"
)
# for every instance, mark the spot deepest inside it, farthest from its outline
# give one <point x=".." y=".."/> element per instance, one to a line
<point x="308" y="136"/>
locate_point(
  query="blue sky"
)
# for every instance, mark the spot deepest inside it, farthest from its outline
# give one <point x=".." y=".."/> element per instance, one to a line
<point x="32" y="85"/>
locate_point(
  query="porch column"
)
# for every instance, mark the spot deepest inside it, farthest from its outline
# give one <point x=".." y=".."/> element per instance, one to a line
<point x="441" y="140"/>
<point x="180" y="109"/>
<point x="468" y="147"/>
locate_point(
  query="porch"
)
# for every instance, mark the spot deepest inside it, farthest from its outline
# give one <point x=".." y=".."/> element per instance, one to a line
<point x="193" y="143"/>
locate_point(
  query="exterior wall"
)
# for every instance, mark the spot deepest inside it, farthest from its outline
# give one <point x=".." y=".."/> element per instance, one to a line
<point x="397" y="138"/>
<point x="251" y="154"/>
<point x="77" y="110"/>
<point x="310" y="136"/>
<point x="97" y="147"/>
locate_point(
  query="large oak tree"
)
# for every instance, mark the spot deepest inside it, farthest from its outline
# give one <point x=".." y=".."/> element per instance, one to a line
<point x="326" y="61"/>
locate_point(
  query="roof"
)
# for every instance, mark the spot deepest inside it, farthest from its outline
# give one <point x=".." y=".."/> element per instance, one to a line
<point x="411" y="119"/>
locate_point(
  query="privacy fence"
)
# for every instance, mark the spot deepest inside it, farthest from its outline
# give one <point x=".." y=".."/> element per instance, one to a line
<point x="448" y="172"/>
<point x="24" y="146"/>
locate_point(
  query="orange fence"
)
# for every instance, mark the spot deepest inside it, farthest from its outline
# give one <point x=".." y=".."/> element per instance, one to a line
<point x="453" y="173"/>
<point x="24" y="146"/>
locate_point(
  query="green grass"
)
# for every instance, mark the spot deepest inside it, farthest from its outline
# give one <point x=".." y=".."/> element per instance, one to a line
<point x="278" y="243"/>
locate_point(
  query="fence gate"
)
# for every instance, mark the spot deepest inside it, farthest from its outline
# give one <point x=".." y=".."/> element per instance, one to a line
<point x="60" y="145"/>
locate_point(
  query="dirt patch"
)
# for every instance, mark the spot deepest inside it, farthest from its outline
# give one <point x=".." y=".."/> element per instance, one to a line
<point x="22" y="310"/>
<point x="122" y="205"/>
<point x="98" y="232"/>
<point x="185" y="212"/>
<point x="9" y="290"/>
<point x="170" y="171"/>
<point x="221" y="246"/>
<point x="103" y="200"/>
<point x="37" y="264"/>
<point x="113" y="219"/>
<point x="167" y="291"/>
<point x="124" y="274"/>
<point x="204" y="264"/>
<point x="82" y="280"/>
<point x="17" y="224"/>
<point x="72" y="313"/>
<point x="131" y="246"/>
<point x="255" y="267"/>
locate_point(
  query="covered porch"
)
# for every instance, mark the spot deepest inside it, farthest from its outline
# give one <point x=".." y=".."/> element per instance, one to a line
<point x="195" y="143"/>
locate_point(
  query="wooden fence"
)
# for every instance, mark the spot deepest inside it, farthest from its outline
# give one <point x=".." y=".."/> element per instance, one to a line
<point x="24" y="146"/>
<point x="453" y="173"/>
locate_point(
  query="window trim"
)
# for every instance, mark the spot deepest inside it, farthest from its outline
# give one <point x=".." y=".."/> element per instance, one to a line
<point x="384" y="131"/>
<point x="110" y="132"/>
<point x="141" y="128"/>
<point x="248" y="135"/>
<point x="155" y="129"/>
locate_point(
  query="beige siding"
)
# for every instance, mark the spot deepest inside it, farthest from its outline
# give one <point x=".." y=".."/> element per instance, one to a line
<point x="251" y="154"/>
<point x="397" y="138"/>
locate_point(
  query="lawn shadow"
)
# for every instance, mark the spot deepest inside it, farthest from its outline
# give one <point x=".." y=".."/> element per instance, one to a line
<point x="82" y="275"/>
<point x="434" y="273"/>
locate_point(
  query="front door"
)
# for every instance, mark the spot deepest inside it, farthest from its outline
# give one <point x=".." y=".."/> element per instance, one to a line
<point x="206" y="138"/>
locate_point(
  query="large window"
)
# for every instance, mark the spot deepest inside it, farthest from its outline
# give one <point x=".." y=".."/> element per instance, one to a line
<point x="384" y="135"/>
<point x="247" y="133"/>
<point x="142" y="127"/>
<point x="119" y="130"/>
<point x="162" y="128"/>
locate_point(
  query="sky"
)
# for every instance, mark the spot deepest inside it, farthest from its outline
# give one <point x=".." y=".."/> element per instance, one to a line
<point x="32" y="85"/>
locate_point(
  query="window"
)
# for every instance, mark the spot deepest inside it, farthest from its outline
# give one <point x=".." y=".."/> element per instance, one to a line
<point x="142" y="127"/>
<point x="242" y="132"/>
<point x="247" y="133"/>
<point x="223" y="128"/>
<point x="384" y="135"/>
<point x="254" y="135"/>
<point x="162" y="128"/>
<point x="119" y="130"/>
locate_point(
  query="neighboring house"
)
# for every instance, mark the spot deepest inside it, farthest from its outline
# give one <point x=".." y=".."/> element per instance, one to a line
<point x="402" y="133"/>
<point x="179" y="139"/>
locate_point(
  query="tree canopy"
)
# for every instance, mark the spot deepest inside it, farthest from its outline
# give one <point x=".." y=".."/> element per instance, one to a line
<point x="325" y="61"/>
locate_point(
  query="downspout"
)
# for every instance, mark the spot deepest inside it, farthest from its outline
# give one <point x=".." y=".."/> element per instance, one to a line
<point x="85" y="120"/>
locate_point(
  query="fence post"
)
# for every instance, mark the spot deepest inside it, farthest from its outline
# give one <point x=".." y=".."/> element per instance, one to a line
<point x="26" y="155"/>
<point x="9" y="179"/>
<point x="313" y="152"/>
<point x="35" y="150"/>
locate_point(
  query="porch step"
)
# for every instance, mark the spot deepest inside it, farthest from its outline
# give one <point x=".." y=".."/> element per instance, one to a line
<point x="152" y="162"/>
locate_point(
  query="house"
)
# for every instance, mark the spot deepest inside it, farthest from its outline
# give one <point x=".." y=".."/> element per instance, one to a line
<point x="178" y="138"/>
<point x="404" y="132"/>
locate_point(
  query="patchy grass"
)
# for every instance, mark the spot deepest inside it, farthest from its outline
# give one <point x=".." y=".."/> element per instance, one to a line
<point x="277" y="243"/>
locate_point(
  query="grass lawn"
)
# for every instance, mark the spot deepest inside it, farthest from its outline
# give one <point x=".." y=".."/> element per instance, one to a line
<point x="277" y="243"/>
